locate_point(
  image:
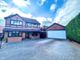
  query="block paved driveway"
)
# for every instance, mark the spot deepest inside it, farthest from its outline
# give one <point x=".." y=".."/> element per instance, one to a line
<point x="46" y="49"/>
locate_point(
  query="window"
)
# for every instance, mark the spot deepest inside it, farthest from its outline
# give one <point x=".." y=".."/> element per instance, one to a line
<point x="35" y="25"/>
<point x="16" y="22"/>
<point x="14" y="34"/>
<point x="20" y="23"/>
<point x="32" y="25"/>
<point x="29" y="25"/>
<point x="9" y="33"/>
<point x="12" y="22"/>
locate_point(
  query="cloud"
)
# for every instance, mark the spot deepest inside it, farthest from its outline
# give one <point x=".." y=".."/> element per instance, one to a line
<point x="10" y="10"/>
<point x="49" y="19"/>
<point x="2" y="3"/>
<point x="22" y="3"/>
<point x="67" y="12"/>
<point x="4" y="6"/>
<point x="53" y="6"/>
<point x="40" y="19"/>
<point x="17" y="11"/>
<point x="42" y="2"/>
<point x="44" y="21"/>
<point x="48" y="22"/>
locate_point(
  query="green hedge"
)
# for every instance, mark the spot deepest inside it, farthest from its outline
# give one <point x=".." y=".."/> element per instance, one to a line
<point x="73" y="29"/>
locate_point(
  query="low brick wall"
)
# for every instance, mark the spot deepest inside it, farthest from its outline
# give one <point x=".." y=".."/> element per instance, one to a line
<point x="14" y="39"/>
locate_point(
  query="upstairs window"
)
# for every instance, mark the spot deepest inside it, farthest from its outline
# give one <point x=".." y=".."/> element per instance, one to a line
<point x="32" y="25"/>
<point x="29" y="25"/>
<point x="15" y="22"/>
<point x="35" y="25"/>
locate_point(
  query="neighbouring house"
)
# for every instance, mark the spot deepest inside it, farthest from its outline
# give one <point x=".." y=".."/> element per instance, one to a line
<point x="1" y="32"/>
<point x="56" y="31"/>
<point x="73" y="29"/>
<point x="18" y="28"/>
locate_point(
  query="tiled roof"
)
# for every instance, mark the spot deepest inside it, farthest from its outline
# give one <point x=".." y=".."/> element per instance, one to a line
<point x="11" y="16"/>
<point x="22" y="30"/>
<point x="56" y="26"/>
<point x="28" y="20"/>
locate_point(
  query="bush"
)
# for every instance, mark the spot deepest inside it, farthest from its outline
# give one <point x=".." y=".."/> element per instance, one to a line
<point x="73" y="29"/>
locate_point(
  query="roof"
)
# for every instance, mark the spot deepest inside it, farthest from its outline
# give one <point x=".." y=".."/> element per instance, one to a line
<point x="11" y="16"/>
<point x="27" y="20"/>
<point x="56" y="26"/>
<point x="21" y="30"/>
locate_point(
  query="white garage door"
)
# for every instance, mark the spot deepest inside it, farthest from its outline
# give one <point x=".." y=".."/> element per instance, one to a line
<point x="60" y="34"/>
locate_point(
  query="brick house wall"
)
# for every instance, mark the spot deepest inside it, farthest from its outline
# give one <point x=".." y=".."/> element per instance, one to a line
<point x="14" y="39"/>
<point x="22" y="28"/>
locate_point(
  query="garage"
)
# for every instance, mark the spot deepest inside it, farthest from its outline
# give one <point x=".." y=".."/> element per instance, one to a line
<point x="56" y="31"/>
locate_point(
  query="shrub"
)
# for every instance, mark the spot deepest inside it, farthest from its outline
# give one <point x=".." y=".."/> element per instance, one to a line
<point x="73" y="29"/>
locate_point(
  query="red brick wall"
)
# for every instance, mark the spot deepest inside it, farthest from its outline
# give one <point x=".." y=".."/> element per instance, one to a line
<point x="14" y="39"/>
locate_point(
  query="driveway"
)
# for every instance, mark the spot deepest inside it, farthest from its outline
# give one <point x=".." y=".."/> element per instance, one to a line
<point x="43" y="49"/>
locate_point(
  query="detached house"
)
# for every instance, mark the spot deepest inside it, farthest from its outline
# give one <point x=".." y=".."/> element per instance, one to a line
<point x="1" y="32"/>
<point x="56" y="31"/>
<point x="18" y="28"/>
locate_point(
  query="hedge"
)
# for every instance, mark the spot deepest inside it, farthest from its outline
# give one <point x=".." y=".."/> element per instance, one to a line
<point x="73" y="29"/>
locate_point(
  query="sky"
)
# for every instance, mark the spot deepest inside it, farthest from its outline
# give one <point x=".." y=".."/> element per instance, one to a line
<point x="46" y="12"/>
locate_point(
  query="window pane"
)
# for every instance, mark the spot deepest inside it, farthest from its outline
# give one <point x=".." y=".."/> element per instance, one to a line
<point x="9" y="33"/>
<point x="12" y="22"/>
<point x="20" y="23"/>
<point x="14" y="34"/>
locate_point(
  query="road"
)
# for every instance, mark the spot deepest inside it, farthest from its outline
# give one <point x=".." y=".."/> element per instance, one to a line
<point x="44" y="49"/>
